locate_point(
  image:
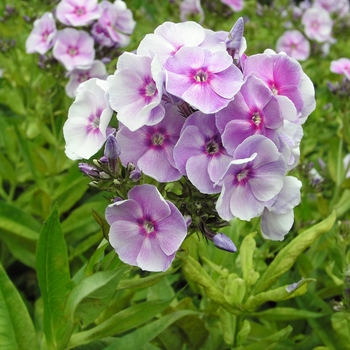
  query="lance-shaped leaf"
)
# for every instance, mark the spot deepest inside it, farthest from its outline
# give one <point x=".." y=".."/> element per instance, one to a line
<point x="143" y="335"/>
<point x="16" y="327"/>
<point x="285" y="259"/>
<point x="121" y="322"/>
<point x="53" y="276"/>
<point x="278" y="294"/>
<point x="286" y="314"/>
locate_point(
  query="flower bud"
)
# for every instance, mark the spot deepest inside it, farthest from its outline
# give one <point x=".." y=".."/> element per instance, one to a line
<point x="88" y="170"/>
<point x="135" y="175"/>
<point x="112" y="148"/>
<point x="223" y="242"/>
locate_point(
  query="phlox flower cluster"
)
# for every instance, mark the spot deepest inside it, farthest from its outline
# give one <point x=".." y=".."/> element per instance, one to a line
<point x="316" y="25"/>
<point x="194" y="110"/>
<point x="91" y="30"/>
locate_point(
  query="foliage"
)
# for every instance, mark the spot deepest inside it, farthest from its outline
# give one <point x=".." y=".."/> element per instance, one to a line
<point x="63" y="287"/>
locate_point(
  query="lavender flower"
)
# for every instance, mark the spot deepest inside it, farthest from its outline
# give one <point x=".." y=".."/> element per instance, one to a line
<point x="41" y="38"/>
<point x="74" y="48"/>
<point x="146" y="230"/>
<point x="294" y="44"/>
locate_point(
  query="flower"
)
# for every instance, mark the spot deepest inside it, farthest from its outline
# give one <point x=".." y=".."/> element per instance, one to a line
<point x="136" y="90"/>
<point x="199" y="153"/>
<point x="204" y="79"/>
<point x="254" y="110"/>
<point x="79" y="75"/>
<point x="294" y="44"/>
<point x="41" y="38"/>
<point x="77" y="12"/>
<point x="86" y="128"/>
<point x="146" y="230"/>
<point x="317" y="24"/>
<point x="74" y="48"/>
<point x="151" y="147"/>
<point x="191" y="8"/>
<point x="254" y="177"/>
<point x="341" y="66"/>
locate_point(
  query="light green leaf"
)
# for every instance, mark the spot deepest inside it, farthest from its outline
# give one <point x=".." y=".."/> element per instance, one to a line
<point x="277" y="294"/>
<point x="143" y="335"/>
<point x="341" y="326"/>
<point x="246" y="252"/>
<point x="123" y="321"/>
<point x="285" y="259"/>
<point x="16" y="327"/>
<point x="53" y="276"/>
<point x="286" y="314"/>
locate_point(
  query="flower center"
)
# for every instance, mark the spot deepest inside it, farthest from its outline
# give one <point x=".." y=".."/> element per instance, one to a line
<point x="72" y="51"/>
<point x="95" y="123"/>
<point x="256" y="118"/>
<point x="83" y="77"/>
<point x="212" y="147"/>
<point x="201" y="76"/>
<point x="79" y="11"/>
<point x="157" y="139"/>
<point x="274" y="89"/>
<point x="150" y="89"/>
<point x="45" y="35"/>
<point x="148" y="226"/>
<point x="242" y="175"/>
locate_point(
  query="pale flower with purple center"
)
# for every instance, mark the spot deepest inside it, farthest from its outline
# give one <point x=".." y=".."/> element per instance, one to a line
<point x="146" y="230"/>
<point x="199" y="153"/>
<point x="42" y="36"/>
<point x="150" y="148"/>
<point x="318" y="24"/>
<point x="77" y="12"/>
<point x="206" y="80"/>
<point x="190" y="8"/>
<point x="294" y="44"/>
<point x="74" y="48"/>
<point x="254" y="177"/>
<point x="286" y="79"/>
<point x="254" y="110"/>
<point x="341" y="66"/>
<point x="116" y="22"/>
<point x="278" y="217"/>
<point x="79" y="75"/>
<point x="136" y="90"/>
<point x="86" y="128"/>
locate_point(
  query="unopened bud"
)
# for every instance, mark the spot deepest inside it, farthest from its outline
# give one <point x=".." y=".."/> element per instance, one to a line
<point x="223" y="242"/>
<point x="112" y="148"/>
<point x="135" y="175"/>
<point x="88" y="170"/>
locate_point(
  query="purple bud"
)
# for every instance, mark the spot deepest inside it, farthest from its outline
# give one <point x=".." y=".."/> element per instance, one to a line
<point x="103" y="160"/>
<point x="188" y="220"/>
<point x="112" y="148"/>
<point x="88" y="170"/>
<point x="234" y="39"/>
<point x="135" y="175"/>
<point x="221" y="241"/>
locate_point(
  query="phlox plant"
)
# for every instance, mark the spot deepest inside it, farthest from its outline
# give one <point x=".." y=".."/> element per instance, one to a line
<point x="187" y="188"/>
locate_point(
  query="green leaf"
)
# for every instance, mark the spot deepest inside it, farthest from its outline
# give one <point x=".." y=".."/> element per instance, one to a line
<point x="341" y="326"/>
<point x="88" y="298"/>
<point x="123" y="321"/>
<point x="100" y="219"/>
<point x="143" y="335"/>
<point x="285" y="259"/>
<point x="53" y="276"/>
<point x="286" y="314"/>
<point x="246" y="252"/>
<point x="271" y="341"/>
<point x="16" y="327"/>
<point x="277" y="294"/>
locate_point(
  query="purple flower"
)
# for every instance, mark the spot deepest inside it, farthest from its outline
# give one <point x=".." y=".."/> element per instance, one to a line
<point x="74" y="48"/>
<point x="191" y="8"/>
<point x="294" y="44"/>
<point x="86" y="128"/>
<point x="116" y="22"/>
<point x="146" y="230"/>
<point x="254" y="110"/>
<point x="235" y="5"/>
<point x="278" y="217"/>
<point x="41" y="38"/>
<point x="77" y="12"/>
<point x="151" y="147"/>
<point x="317" y="24"/>
<point x="136" y="89"/>
<point x="285" y="77"/>
<point x="254" y="177"/>
<point x="79" y="75"/>
<point x="205" y="80"/>
<point x="341" y="66"/>
<point x="199" y="153"/>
